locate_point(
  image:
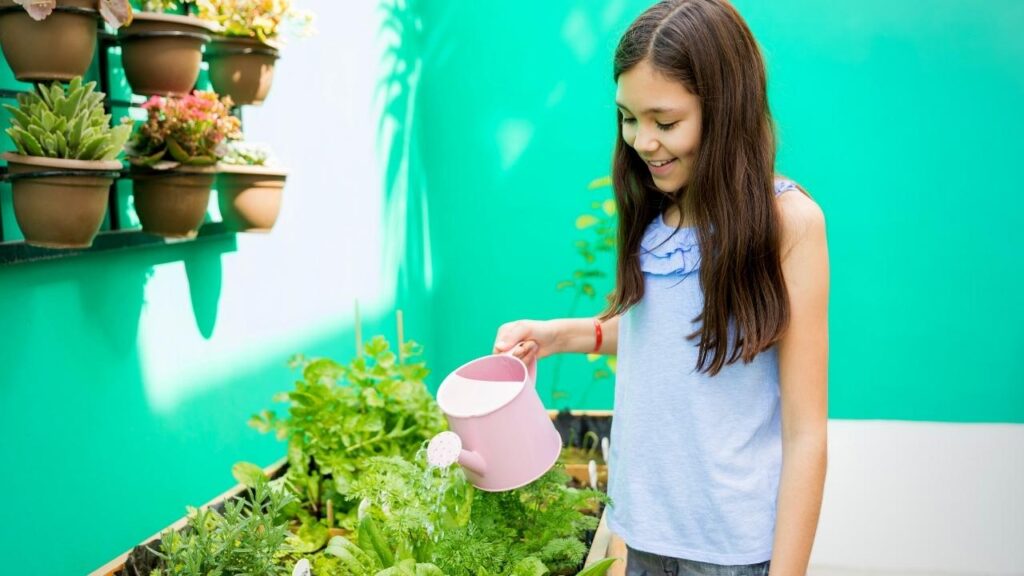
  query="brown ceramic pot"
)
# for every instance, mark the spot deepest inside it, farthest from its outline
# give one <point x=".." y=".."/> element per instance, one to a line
<point x="242" y="68"/>
<point x="60" y="211"/>
<point x="162" y="53"/>
<point x="249" y="197"/>
<point x="172" y="203"/>
<point x="57" y="48"/>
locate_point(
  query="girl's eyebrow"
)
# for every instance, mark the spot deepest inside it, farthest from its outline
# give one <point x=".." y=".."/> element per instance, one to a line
<point x="655" y="110"/>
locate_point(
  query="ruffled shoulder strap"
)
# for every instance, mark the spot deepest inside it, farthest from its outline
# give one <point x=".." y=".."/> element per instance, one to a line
<point x="783" y="185"/>
<point x="666" y="251"/>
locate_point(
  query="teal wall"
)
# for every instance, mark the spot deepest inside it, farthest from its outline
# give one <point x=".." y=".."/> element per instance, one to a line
<point x="127" y="378"/>
<point x="903" y="119"/>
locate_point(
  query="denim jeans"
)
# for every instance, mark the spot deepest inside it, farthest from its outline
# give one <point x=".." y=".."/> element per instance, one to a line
<point x="646" y="564"/>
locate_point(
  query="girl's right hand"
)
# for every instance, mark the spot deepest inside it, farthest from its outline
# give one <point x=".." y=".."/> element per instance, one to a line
<point x="527" y="339"/>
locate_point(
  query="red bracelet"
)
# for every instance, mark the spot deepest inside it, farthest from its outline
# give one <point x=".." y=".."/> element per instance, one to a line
<point x="598" y="336"/>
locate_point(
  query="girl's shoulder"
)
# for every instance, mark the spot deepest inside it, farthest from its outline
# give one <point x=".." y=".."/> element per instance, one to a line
<point x="801" y="217"/>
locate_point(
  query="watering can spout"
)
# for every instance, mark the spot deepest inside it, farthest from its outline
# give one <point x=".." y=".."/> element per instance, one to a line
<point x="446" y="449"/>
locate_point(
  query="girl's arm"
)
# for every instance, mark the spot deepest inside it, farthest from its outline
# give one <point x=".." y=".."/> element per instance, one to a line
<point x="539" y="338"/>
<point x="803" y="383"/>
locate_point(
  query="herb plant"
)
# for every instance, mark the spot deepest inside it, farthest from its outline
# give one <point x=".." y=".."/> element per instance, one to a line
<point x="246" y="539"/>
<point x="340" y="416"/>
<point x="70" y="123"/>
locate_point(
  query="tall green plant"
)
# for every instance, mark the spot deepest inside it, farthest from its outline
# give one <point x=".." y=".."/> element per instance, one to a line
<point x="341" y="416"/>
<point x="599" y="225"/>
<point x="55" y="122"/>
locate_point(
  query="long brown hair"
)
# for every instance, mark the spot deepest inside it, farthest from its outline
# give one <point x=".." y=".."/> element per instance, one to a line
<point x="706" y="45"/>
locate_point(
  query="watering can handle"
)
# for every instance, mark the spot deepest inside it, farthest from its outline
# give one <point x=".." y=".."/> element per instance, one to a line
<point x="531" y="367"/>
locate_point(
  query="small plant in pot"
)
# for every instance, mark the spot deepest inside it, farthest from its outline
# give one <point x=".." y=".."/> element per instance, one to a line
<point x="242" y="56"/>
<point x="162" y="52"/>
<point x="30" y="29"/>
<point x="63" y="131"/>
<point x="249" y="188"/>
<point x="173" y="155"/>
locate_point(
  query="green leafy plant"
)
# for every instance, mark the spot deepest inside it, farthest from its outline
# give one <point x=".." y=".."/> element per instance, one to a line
<point x="341" y="416"/>
<point x="192" y="130"/>
<point x="542" y="520"/>
<point x="261" y="19"/>
<point x="70" y="123"/>
<point x="248" y="538"/>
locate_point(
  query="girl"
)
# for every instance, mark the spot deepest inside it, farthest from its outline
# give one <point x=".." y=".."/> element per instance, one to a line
<point x="719" y="314"/>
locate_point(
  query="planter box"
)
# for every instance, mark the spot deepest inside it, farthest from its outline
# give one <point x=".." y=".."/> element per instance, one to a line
<point x="118" y="566"/>
<point x="573" y="427"/>
<point x="603" y="544"/>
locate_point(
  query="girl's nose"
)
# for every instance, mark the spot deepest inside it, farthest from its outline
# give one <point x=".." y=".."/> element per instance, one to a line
<point x="645" y="141"/>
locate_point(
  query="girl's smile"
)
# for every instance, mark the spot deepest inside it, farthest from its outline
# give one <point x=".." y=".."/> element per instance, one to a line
<point x="661" y="168"/>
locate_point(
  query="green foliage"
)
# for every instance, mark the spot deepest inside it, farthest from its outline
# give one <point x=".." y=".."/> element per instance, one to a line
<point x="246" y="539"/>
<point x="339" y="417"/>
<point x="414" y="505"/>
<point x="505" y="528"/>
<point x="55" y="122"/>
<point x="356" y="436"/>
<point x="602" y="227"/>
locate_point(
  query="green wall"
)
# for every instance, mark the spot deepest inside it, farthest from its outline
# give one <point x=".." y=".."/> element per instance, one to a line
<point x="903" y="119"/>
<point x="127" y="378"/>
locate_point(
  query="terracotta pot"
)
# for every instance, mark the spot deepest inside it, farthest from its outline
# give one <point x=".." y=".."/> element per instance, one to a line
<point x="249" y="197"/>
<point x="242" y="68"/>
<point x="60" y="211"/>
<point x="57" y="48"/>
<point x="162" y="53"/>
<point x="172" y="203"/>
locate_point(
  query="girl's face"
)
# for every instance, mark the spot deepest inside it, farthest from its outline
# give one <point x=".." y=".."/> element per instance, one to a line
<point x="661" y="121"/>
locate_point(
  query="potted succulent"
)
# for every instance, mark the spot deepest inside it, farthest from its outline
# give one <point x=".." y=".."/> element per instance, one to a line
<point x="249" y="188"/>
<point x="63" y="130"/>
<point x="173" y="156"/>
<point x="162" y="52"/>
<point x="243" y="54"/>
<point x="29" y="29"/>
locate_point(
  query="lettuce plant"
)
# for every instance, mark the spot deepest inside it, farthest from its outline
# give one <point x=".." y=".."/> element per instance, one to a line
<point x="70" y="123"/>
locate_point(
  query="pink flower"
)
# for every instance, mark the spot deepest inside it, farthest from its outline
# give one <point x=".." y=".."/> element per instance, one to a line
<point x="153" y="102"/>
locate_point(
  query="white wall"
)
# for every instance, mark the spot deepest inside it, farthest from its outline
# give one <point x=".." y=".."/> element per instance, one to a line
<point x="920" y="497"/>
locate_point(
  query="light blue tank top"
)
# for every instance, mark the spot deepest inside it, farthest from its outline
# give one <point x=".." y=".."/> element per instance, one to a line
<point x="695" y="460"/>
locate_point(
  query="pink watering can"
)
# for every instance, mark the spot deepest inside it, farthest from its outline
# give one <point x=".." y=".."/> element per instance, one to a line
<point x="500" y="432"/>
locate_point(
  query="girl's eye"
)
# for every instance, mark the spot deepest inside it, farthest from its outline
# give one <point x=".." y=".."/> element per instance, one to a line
<point x="628" y="120"/>
<point x="666" y="127"/>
